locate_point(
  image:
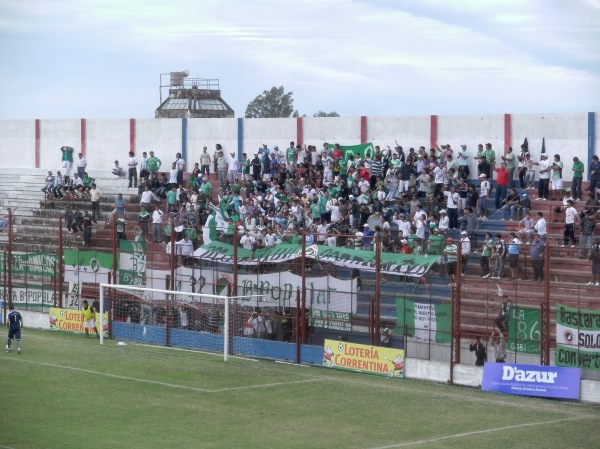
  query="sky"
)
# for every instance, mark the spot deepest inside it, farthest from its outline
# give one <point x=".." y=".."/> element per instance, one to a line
<point x="103" y="58"/>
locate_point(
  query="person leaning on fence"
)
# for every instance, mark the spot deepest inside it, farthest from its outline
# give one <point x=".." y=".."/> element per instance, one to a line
<point x="480" y="352"/>
<point x="259" y="324"/>
<point x="503" y="317"/>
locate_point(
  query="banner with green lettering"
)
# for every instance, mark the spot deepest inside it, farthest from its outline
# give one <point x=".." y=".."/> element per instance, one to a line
<point x="39" y="264"/>
<point x="132" y="262"/>
<point x="426" y="322"/>
<point x="87" y="266"/>
<point x="577" y="337"/>
<point x="524" y="331"/>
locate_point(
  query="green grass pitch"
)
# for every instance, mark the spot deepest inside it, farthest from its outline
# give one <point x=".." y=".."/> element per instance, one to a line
<point x="66" y="391"/>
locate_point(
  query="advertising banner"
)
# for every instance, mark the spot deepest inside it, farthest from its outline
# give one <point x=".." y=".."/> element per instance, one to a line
<point x="72" y="321"/>
<point x="363" y="358"/>
<point x="32" y="296"/>
<point x="40" y="264"/>
<point x="577" y="337"/>
<point x="426" y="322"/>
<point x="532" y="380"/>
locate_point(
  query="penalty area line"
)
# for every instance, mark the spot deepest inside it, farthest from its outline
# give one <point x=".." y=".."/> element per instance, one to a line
<point x="476" y="432"/>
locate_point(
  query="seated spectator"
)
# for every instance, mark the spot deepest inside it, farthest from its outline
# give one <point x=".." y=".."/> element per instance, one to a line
<point x="527" y="227"/>
<point x="118" y="170"/>
<point x="510" y="205"/>
<point x="86" y="185"/>
<point x="48" y="184"/>
<point x="58" y="186"/>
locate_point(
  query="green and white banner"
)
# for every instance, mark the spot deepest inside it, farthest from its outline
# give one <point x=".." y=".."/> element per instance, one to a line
<point x="32" y="264"/>
<point x="524" y="331"/>
<point x="351" y="150"/>
<point x="392" y="263"/>
<point x="577" y="337"/>
<point x="132" y="262"/>
<point x="87" y="266"/>
<point x="426" y="322"/>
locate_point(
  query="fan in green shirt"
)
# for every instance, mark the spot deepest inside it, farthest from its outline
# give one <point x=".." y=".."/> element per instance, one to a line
<point x="436" y="243"/>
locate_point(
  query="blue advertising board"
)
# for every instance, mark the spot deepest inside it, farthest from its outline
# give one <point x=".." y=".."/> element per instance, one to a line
<point x="532" y="380"/>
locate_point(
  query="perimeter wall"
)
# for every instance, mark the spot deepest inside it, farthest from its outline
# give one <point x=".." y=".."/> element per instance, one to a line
<point x="36" y="143"/>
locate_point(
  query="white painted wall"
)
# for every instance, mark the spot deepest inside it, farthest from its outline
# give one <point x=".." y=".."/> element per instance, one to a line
<point x="17" y="143"/>
<point x="107" y="140"/>
<point x="410" y="131"/>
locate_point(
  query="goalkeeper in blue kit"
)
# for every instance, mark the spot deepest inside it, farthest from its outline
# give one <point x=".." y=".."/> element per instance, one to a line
<point x="15" y="324"/>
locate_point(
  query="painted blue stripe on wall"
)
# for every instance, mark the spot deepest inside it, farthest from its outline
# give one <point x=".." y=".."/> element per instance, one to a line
<point x="184" y="140"/>
<point x="240" y="148"/>
<point x="591" y="139"/>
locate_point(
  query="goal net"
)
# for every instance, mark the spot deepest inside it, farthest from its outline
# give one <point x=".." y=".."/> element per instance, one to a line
<point x="196" y="321"/>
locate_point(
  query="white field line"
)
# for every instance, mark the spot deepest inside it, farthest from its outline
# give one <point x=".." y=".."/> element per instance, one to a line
<point x="476" y="432"/>
<point x="6" y="447"/>
<point x="164" y="384"/>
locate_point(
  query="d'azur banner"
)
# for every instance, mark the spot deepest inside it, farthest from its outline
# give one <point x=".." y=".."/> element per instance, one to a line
<point x="363" y="358"/>
<point x="577" y="337"/>
<point x="426" y="322"/>
<point x="393" y="263"/>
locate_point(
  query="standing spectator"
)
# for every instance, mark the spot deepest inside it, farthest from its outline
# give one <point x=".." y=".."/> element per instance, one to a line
<point x="594" y="174"/>
<point x="205" y="161"/>
<point x="154" y="164"/>
<point x="556" y="176"/>
<point x="95" y="195"/>
<point x="173" y="176"/>
<point x="482" y="165"/>
<point x="132" y="164"/>
<point x="246" y="166"/>
<point x="486" y="253"/>
<point x="463" y="162"/>
<point x="146" y="197"/>
<point x="471" y="222"/>
<point x="522" y="166"/>
<point x="222" y="168"/>
<point x="511" y="165"/>
<point x="87" y="228"/>
<point x="529" y="172"/>
<point x="578" y="169"/>
<point x="500" y="255"/>
<point x="67" y="159"/>
<point x="484" y="191"/>
<point x="499" y="345"/>
<point x="81" y="165"/>
<point x="157" y="221"/>
<point x="480" y="352"/>
<point x="121" y="227"/>
<point x="536" y="254"/>
<point x="501" y="184"/>
<point x="540" y="226"/>
<point x="545" y="169"/>
<point x="465" y="249"/>
<point x="180" y="165"/>
<point x="587" y="226"/>
<point x="490" y="158"/>
<point x="595" y="259"/>
<point x="144" y="173"/>
<point x="514" y="248"/>
<point x="143" y="221"/>
<point x="14" y="321"/>
<point x="452" y="201"/>
<point x="70" y="220"/>
<point x="234" y="165"/>
<point x="450" y="253"/>
<point x="216" y="154"/>
<point x="185" y="248"/>
<point x="570" y="216"/>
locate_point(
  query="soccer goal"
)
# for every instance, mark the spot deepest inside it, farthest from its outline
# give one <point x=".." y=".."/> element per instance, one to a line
<point x="196" y="321"/>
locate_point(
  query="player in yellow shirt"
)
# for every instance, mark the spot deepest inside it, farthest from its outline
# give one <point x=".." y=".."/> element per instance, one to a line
<point x="89" y="319"/>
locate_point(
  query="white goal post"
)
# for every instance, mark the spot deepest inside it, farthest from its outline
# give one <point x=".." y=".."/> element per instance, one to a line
<point x="148" y="315"/>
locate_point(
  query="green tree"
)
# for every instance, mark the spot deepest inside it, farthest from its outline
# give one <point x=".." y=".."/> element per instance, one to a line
<point x="326" y="114"/>
<point x="272" y="103"/>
